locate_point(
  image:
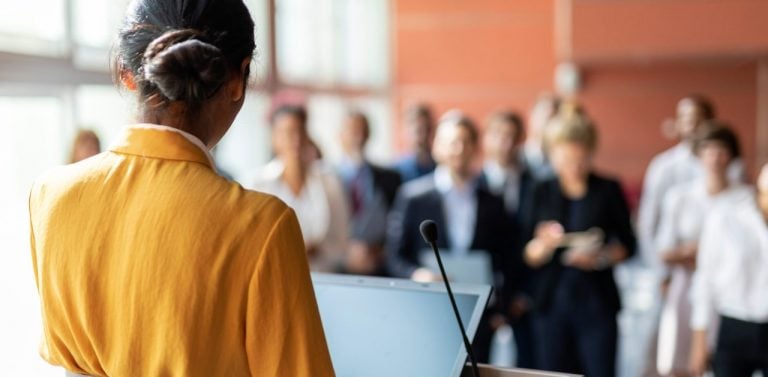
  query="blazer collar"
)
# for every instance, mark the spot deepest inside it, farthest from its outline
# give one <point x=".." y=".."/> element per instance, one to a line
<point x="163" y="142"/>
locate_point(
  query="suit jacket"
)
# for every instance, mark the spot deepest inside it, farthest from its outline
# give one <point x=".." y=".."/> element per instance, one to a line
<point x="379" y="186"/>
<point x="517" y="273"/>
<point x="420" y="200"/>
<point x="604" y="207"/>
<point x="149" y="263"/>
<point x="387" y="181"/>
<point x="410" y="169"/>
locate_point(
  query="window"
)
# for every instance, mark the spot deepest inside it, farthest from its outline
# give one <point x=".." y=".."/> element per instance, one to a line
<point x="33" y="128"/>
<point x="28" y="27"/>
<point x="333" y="42"/>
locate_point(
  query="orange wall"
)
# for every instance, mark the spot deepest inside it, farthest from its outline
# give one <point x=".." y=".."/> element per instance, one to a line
<point x="479" y="55"/>
<point x="629" y="103"/>
<point x="603" y="30"/>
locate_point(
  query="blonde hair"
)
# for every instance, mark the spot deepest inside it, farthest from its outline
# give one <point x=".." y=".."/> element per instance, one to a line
<point x="571" y="125"/>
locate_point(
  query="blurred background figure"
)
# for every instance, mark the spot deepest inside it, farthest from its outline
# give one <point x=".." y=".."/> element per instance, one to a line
<point x="505" y="175"/>
<point x="577" y="299"/>
<point x="674" y="166"/>
<point x="730" y="288"/>
<point x="419" y="124"/>
<point x="307" y="186"/>
<point x="684" y="209"/>
<point x="469" y="218"/>
<point x="534" y="156"/>
<point x="86" y="144"/>
<point x="370" y="191"/>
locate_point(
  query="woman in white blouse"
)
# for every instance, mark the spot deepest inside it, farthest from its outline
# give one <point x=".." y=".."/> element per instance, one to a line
<point x="312" y="190"/>
<point x="684" y="209"/>
<point x="731" y="284"/>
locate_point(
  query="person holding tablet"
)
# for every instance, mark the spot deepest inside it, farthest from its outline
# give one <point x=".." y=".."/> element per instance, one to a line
<point x="575" y="296"/>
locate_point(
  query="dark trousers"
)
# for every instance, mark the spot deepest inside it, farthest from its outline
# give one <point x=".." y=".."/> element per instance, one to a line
<point x="577" y="339"/>
<point x="742" y="348"/>
<point x="524" y="341"/>
<point x="481" y="344"/>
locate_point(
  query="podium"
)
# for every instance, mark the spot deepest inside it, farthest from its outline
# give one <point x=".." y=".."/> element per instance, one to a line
<point x="492" y="371"/>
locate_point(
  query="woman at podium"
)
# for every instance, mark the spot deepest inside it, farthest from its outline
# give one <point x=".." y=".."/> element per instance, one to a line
<point x="147" y="262"/>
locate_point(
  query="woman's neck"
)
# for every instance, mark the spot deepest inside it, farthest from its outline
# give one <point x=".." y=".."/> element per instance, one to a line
<point x="574" y="188"/>
<point x="460" y="179"/>
<point x="176" y="116"/>
<point x="295" y="175"/>
<point x="716" y="183"/>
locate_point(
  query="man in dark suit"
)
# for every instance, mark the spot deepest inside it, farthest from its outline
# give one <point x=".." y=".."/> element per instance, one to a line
<point x="371" y="190"/>
<point x="419" y="124"/>
<point x="469" y="218"/>
<point x="506" y="175"/>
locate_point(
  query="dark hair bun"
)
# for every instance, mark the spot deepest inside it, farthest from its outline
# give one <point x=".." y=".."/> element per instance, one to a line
<point x="183" y="67"/>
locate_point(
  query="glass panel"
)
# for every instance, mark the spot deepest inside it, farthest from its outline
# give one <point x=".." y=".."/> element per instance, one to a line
<point x="326" y="114"/>
<point x="96" y="22"/>
<point x="246" y="146"/>
<point x="29" y="27"/>
<point x="105" y="110"/>
<point x="260" y="65"/>
<point x="333" y="42"/>
<point x="31" y="143"/>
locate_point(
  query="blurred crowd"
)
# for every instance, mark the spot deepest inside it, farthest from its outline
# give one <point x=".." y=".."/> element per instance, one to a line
<point x="525" y="193"/>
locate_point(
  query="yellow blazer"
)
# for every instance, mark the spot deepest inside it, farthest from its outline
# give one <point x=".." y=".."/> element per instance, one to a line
<point x="150" y="264"/>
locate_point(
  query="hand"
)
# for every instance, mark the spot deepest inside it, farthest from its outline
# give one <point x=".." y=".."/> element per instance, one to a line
<point x="312" y="250"/>
<point x="664" y="289"/>
<point x="546" y="239"/>
<point x="361" y="258"/>
<point x="424" y="275"/>
<point x="684" y="255"/>
<point x="549" y="234"/>
<point x="697" y="365"/>
<point x="520" y="305"/>
<point x="496" y="321"/>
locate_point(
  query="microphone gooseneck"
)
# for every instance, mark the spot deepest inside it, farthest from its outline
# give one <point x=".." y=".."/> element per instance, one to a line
<point x="428" y="230"/>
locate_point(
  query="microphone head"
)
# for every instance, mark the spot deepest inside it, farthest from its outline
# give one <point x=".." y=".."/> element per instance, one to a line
<point x="428" y="230"/>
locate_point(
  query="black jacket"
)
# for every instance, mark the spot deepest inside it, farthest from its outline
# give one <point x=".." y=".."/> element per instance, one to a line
<point x="604" y="207"/>
<point x="419" y="200"/>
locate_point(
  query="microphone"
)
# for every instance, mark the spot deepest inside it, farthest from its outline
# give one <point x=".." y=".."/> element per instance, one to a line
<point x="428" y="230"/>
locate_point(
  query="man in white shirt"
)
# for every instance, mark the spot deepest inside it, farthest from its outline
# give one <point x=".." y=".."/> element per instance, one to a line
<point x="676" y="165"/>
<point x="672" y="167"/>
<point x="731" y="284"/>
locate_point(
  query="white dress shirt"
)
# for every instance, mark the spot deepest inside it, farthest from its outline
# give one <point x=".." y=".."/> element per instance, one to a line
<point x="731" y="277"/>
<point x="504" y="182"/>
<point x="192" y="138"/>
<point x="321" y="209"/>
<point x="670" y="168"/>
<point x="685" y="208"/>
<point x="460" y="208"/>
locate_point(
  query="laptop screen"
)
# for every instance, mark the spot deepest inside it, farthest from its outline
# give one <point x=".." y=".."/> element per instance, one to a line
<point x="392" y="327"/>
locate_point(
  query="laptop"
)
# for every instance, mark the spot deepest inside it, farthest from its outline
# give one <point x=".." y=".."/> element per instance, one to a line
<point x="377" y="327"/>
<point x="472" y="266"/>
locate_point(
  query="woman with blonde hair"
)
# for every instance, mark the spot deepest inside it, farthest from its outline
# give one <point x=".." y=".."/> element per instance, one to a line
<point x="579" y="228"/>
